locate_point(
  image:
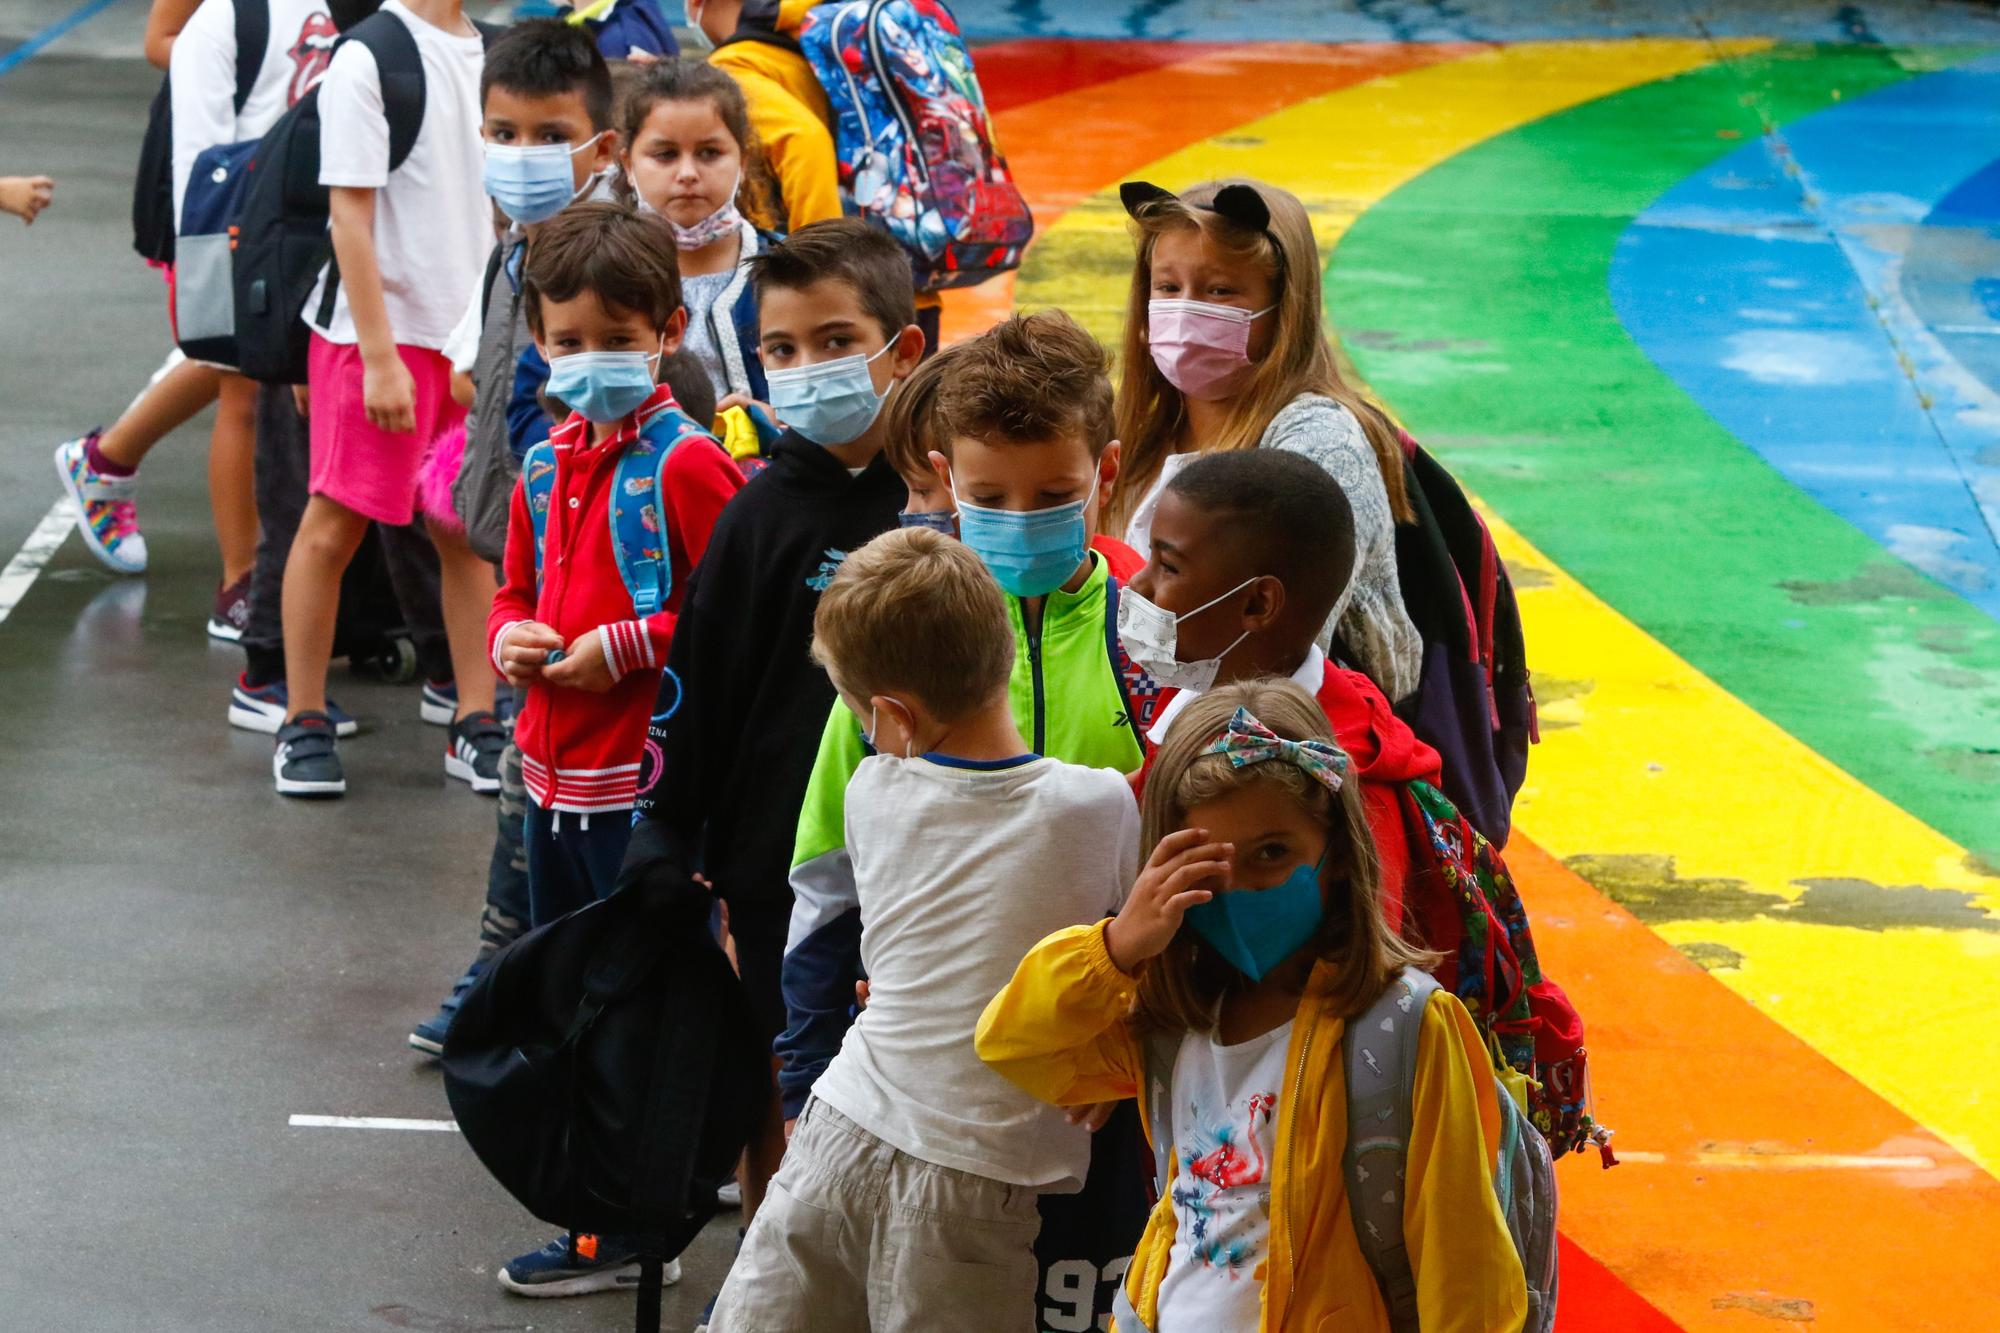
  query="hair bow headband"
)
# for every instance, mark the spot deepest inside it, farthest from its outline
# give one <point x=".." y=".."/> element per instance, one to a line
<point x="1238" y="203"/>
<point x="1246" y="741"/>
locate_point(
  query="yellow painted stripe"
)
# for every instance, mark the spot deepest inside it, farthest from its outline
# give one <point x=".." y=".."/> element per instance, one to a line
<point x="1342" y="152"/>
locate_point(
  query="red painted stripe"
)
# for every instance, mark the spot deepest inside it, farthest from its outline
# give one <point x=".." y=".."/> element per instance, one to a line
<point x="1014" y="73"/>
<point x="1591" y="1299"/>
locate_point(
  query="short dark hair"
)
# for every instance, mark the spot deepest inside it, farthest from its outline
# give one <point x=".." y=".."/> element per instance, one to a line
<point x="1292" y="520"/>
<point x="1029" y="378"/>
<point x="547" y="58"/>
<point x="628" y="259"/>
<point x="850" y="251"/>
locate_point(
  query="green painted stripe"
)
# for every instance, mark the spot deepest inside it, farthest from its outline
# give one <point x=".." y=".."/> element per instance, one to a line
<point x="1475" y="300"/>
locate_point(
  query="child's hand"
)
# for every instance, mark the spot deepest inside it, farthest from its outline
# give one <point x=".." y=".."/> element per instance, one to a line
<point x="583" y="666"/>
<point x="524" y="651"/>
<point x="389" y="395"/>
<point x="26" y="196"/>
<point x="462" y="391"/>
<point x="1167" y="887"/>
<point x="1092" y="1117"/>
<point x="746" y="402"/>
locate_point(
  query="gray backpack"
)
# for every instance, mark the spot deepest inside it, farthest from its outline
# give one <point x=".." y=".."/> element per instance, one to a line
<point x="1380" y="1057"/>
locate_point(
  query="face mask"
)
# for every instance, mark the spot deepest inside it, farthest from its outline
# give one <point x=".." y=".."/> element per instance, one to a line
<point x="833" y="402"/>
<point x="1152" y="639"/>
<point x="1030" y="552"/>
<point x="909" y="734"/>
<point x="1257" y="929"/>
<point x="942" y="520"/>
<point x="722" y="222"/>
<point x="604" y="386"/>
<point x="532" y="182"/>
<point x="1202" y="349"/>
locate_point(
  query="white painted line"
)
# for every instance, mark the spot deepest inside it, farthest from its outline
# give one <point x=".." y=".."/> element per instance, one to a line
<point x="38" y="550"/>
<point x="370" y="1122"/>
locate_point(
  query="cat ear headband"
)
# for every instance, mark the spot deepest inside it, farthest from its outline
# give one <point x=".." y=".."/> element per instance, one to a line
<point x="1236" y="203"/>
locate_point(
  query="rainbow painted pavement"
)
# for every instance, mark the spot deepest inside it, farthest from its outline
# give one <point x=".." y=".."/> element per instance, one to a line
<point x="1711" y="326"/>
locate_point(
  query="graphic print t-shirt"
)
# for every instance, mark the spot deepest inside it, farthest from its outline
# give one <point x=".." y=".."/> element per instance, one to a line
<point x="1226" y="1104"/>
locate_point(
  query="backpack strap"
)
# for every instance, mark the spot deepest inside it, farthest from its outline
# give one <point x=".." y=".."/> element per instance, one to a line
<point x="1379" y="1053"/>
<point x="1137" y="689"/>
<point x="253" y="34"/>
<point x="638" y="513"/>
<point x="1157" y="1051"/>
<point x="538" y="482"/>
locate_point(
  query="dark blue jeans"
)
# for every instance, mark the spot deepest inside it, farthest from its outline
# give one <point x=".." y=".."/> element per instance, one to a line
<point x="573" y="859"/>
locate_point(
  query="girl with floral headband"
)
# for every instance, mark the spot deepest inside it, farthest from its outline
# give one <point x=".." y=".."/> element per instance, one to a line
<point x="1252" y="937"/>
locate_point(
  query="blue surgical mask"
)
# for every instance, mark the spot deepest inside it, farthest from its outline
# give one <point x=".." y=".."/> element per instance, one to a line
<point x="942" y="520"/>
<point x="1031" y="552"/>
<point x="833" y="402"/>
<point x="531" y="182"/>
<point x="604" y="386"/>
<point x="1257" y="929"/>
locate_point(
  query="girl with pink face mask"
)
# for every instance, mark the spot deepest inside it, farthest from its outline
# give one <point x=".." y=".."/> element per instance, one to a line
<point x="1224" y="349"/>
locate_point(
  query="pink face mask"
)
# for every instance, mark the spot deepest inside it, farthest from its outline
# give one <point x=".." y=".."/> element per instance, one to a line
<point x="1202" y="349"/>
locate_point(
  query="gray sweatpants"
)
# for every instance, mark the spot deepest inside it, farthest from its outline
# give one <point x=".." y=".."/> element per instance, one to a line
<point x="855" y="1236"/>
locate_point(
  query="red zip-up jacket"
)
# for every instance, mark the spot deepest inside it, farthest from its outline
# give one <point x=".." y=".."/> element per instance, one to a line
<point x="580" y="752"/>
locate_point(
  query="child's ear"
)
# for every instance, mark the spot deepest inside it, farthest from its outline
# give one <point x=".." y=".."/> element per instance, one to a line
<point x="1107" y="471"/>
<point x="670" y="337"/>
<point x="1266" y="605"/>
<point x="909" y="351"/>
<point x="942" y="466"/>
<point x="605" y="151"/>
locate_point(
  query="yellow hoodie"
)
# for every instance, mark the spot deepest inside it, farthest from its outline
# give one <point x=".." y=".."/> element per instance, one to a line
<point x="1059" y="1030"/>
<point x="789" y="112"/>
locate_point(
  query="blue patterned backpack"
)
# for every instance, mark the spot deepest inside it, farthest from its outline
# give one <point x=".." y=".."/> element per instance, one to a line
<point x="914" y="143"/>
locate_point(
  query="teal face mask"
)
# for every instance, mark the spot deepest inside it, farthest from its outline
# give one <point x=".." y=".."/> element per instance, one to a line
<point x="1257" y="929"/>
<point x="1030" y="552"/>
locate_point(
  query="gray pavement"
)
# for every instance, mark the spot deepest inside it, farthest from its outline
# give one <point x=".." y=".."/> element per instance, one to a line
<point x="186" y="959"/>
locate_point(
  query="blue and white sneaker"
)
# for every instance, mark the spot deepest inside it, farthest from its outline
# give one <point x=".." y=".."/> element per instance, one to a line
<point x="428" y="1036"/>
<point x="262" y="709"/>
<point x="472" y="752"/>
<point x="307" y="762"/>
<point x="440" y="702"/>
<point x="579" y="1265"/>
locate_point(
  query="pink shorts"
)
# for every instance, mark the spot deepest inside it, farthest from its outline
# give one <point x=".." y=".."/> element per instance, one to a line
<point x="355" y="464"/>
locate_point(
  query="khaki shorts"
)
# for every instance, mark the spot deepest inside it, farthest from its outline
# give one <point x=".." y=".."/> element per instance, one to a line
<point x="856" y="1235"/>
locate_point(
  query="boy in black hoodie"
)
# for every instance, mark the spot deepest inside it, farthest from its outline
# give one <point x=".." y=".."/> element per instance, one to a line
<point x="741" y="705"/>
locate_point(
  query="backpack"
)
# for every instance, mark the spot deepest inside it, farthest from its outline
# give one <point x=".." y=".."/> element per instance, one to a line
<point x="606" y="1069"/>
<point x="1474" y="702"/>
<point x="153" y="184"/>
<point x="914" y="144"/>
<point x="638" y="534"/>
<point x="1380" y="1075"/>
<point x="621" y="27"/>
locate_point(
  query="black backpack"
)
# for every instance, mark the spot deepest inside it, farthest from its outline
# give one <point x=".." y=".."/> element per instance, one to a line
<point x="153" y="221"/>
<point x="607" y="1069"/>
<point x="282" y="240"/>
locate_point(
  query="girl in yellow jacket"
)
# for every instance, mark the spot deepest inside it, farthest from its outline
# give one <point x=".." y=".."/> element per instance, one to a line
<point x="1252" y="934"/>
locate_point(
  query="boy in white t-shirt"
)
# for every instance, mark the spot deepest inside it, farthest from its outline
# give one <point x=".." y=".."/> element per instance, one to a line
<point x="907" y="1198"/>
<point x="408" y="247"/>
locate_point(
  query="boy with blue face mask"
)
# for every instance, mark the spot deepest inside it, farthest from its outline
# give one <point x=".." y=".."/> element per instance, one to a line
<point x="1023" y="423"/>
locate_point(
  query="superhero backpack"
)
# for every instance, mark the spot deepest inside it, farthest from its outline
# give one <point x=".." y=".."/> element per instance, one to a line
<point x="913" y="139"/>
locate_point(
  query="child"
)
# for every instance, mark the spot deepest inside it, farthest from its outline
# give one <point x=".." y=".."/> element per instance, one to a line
<point x="1224" y="351"/>
<point x="907" y="1197"/>
<point x="741" y="707"/>
<point x="687" y="152"/>
<point x="406" y="258"/>
<point x="1025" y="419"/>
<point x="1252" y="936"/>
<point x="911" y="437"/>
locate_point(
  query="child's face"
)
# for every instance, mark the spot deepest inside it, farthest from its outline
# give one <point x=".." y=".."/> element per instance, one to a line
<point x="1187" y="266"/>
<point x="684" y="161"/>
<point x="584" y="323"/>
<point x="522" y="121"/>
<point x="1025" y="476"/>
<point x="927" y="494"/>
<point x="804" y="326"/>
<point x="1194" y="562"/>
<point x="1273" y="835"/>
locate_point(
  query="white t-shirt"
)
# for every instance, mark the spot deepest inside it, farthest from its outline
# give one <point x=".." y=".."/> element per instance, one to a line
<point x="1139" y="531"/>
<point x="1226" y="1105"/>
<point x="433" y="225"/>
<point x="960" y="870"/>
<point x="203" y="76"/>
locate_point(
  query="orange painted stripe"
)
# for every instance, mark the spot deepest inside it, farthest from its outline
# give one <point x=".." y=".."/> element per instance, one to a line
<point x="1066" y="147"/>
<point x="1685" y="1069"/>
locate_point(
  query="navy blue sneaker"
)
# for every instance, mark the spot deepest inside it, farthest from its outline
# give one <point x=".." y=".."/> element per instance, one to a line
<point x="428" y="1036"/>
<point x="473" y="750"/>
<point x="262" y="709"/>
<point x="580" y="1265"/>
<point x="439" y="704"/>
<point x="306" y="762"/>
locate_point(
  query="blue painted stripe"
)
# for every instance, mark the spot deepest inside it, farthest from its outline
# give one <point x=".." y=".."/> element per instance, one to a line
<point x="76" y="18"/>
<point x="1770" y="286"/>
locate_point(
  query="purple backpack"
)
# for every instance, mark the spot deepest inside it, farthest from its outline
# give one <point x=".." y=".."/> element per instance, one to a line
<point x="915" y="146"/>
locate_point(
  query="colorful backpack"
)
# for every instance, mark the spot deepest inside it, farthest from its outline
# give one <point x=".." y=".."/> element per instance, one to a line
<point x="914" y="143"/>
<point x="638" y="532"/>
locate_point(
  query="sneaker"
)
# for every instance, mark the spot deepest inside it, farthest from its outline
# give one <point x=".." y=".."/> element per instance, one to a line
<point x="306" y="762"/>
<point x="428" y="1036"/>
<point x="730" y="1195"/>
<point x="566" y="1267"/>
<point x="473" y="751"/>
<point x="440" y="702"/>
<point x="232" y="611"/>
<point x="105" y="516"/>
<point x="262" y="708"/>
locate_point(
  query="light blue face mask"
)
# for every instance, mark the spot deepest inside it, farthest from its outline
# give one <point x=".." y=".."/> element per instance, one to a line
<point x="604" y="386"/>
<point x="1257" y="929"/>
<point x="942" y="520"/>
<point x="1030" y="552"/>
<point x="833" y="402"/>
<point x="532" y="182"/>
